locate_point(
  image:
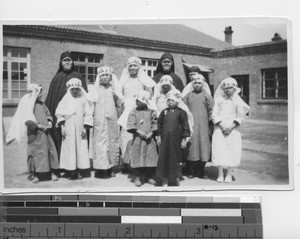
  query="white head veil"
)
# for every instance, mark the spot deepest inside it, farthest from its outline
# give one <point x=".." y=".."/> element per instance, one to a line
<point x="190" y="86"/>
<point x="143" y="96"/>
<point x="176" y="96"/>
<point x="142" y="76"/>
<point x="231" y="82"/>
<point x="17" y="129"/>
<point x="93" y="94"/>
<point x="68" y="106"/>
<point x="164" y="80"/>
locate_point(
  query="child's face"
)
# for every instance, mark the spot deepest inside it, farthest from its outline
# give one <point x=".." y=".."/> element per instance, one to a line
<point x="75" y="92"/>
<point x="172" y="104"/>
<point x="105" y="78"/>
<point x="140" y="104"/>
<point x="229" y="90"/>
<point x="165" y="88"/>
<point x="198" y="85"/>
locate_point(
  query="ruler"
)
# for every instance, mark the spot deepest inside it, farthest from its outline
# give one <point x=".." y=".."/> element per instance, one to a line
<point x="114" y="216"/>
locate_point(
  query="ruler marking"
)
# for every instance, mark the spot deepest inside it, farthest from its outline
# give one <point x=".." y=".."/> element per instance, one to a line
<point x="168" y="231"/>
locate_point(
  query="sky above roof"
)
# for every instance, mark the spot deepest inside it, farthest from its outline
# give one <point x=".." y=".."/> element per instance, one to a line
<point x="206" y="32"/>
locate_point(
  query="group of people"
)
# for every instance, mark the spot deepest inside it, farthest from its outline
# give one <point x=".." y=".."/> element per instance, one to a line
<point x="156" y="129"/>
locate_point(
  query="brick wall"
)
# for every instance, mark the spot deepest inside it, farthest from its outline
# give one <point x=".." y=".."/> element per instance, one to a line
<point x="252" y="65"/>
<point x="45" y="59"/>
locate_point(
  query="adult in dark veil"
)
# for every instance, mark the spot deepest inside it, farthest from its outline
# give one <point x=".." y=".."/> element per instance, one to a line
<point x="166" y="67"/>
<point x="58" y="89"/>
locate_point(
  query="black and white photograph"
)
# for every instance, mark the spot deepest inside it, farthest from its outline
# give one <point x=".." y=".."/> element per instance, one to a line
<point x="148" y="105"/>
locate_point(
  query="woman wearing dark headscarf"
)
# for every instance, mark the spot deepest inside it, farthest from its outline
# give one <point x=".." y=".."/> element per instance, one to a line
<point x="58" y="89"/>
<point x="166" y="67"/>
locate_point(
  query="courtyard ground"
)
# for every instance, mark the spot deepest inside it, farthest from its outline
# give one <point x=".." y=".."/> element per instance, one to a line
<point x="265" y="163"/>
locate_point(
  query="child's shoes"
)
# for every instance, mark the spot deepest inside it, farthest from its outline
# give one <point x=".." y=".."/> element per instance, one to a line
<point x="137" y="182"/>
<point x="228" y="179"/>
<point x="35" y="180"/>
<point x="54" y="177"/>
<point x="220" y="179"/>
<point x="30" y="177"/>
<point x="79" y="176"/>
<point x="151" y="181"/>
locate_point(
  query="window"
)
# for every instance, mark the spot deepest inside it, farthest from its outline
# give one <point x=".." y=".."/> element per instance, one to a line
<point x="16" y="62"/>
<point x="149" y="66"/>
<point x="274" y="83"/>
<point x="86" y="64"/>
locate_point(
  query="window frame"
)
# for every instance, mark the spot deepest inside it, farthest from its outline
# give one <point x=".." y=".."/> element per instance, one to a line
<point x="147" y="68"/>
<point x="86" y="64"/>
<point x="9" y="59"/>
<point x="276" y="80"/>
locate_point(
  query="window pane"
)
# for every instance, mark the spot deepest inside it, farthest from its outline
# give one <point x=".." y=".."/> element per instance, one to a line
<point x="282" y="83"/>
<point x="81" y="69"/>
<point x="14" y="75"/>
<point x="91" y="59"/>
<point x="149" y="73"/>
<point x="5" y="85"/>
<point x="270" y="74"/>
<point x="154" y="63"/>
<point x="15" y="53"/>
<point x="270" y="93"/>
<point x="5" y="75"/>
<point x="81" y="58"/>
<point x="282" y="93"/>
<point x="15" y="94"/>
<point x="282" y="73"/>
<point x="4" y="94"/>
<point x="269" y="84"/>
<point x="143" y="62"/>
<point x="23" y="66"/>
<point x="15" y="66"/>
<point x="5" y="51"/>
<point x="15" y="85"/>
<point x="90" y="70"/>
<point x="97" y="59"/>
<point x="23" y="85"/>
<point x="90" y="79"/>
<point x="23" y="53"/>
<point x="5" y="65"/>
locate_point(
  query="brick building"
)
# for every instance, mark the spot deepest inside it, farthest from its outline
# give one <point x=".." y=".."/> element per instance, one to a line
<point x="31" y="54"/>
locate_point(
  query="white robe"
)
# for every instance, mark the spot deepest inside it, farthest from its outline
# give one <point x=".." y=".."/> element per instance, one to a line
<point x="74" y="150"/>
<point x="226" y="150"/>
<point x="106" y="130"/>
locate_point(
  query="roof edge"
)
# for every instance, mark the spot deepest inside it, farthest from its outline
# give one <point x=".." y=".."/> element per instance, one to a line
<point x="253" y="49"/>
<point x="73" y="35"/>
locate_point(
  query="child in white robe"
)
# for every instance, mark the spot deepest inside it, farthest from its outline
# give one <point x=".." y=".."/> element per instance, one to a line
<point x="74" y="117"/>
<point x="228" y="113"/>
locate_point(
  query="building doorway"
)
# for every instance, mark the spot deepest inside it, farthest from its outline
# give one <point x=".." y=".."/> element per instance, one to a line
<point x="243" y="83"/>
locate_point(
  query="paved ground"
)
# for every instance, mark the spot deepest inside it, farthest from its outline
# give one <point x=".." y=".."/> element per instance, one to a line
<point x="264" y="163"/>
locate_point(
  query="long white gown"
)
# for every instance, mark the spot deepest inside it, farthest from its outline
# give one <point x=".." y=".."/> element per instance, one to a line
<point x="74" y="150"/>
<point x="226" y="150"/>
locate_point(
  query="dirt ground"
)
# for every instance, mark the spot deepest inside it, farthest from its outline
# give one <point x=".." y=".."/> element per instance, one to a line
<point x="265" y="163"/>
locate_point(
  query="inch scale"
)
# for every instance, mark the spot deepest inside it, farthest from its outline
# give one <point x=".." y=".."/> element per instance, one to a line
<point x="95" y="216"/>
